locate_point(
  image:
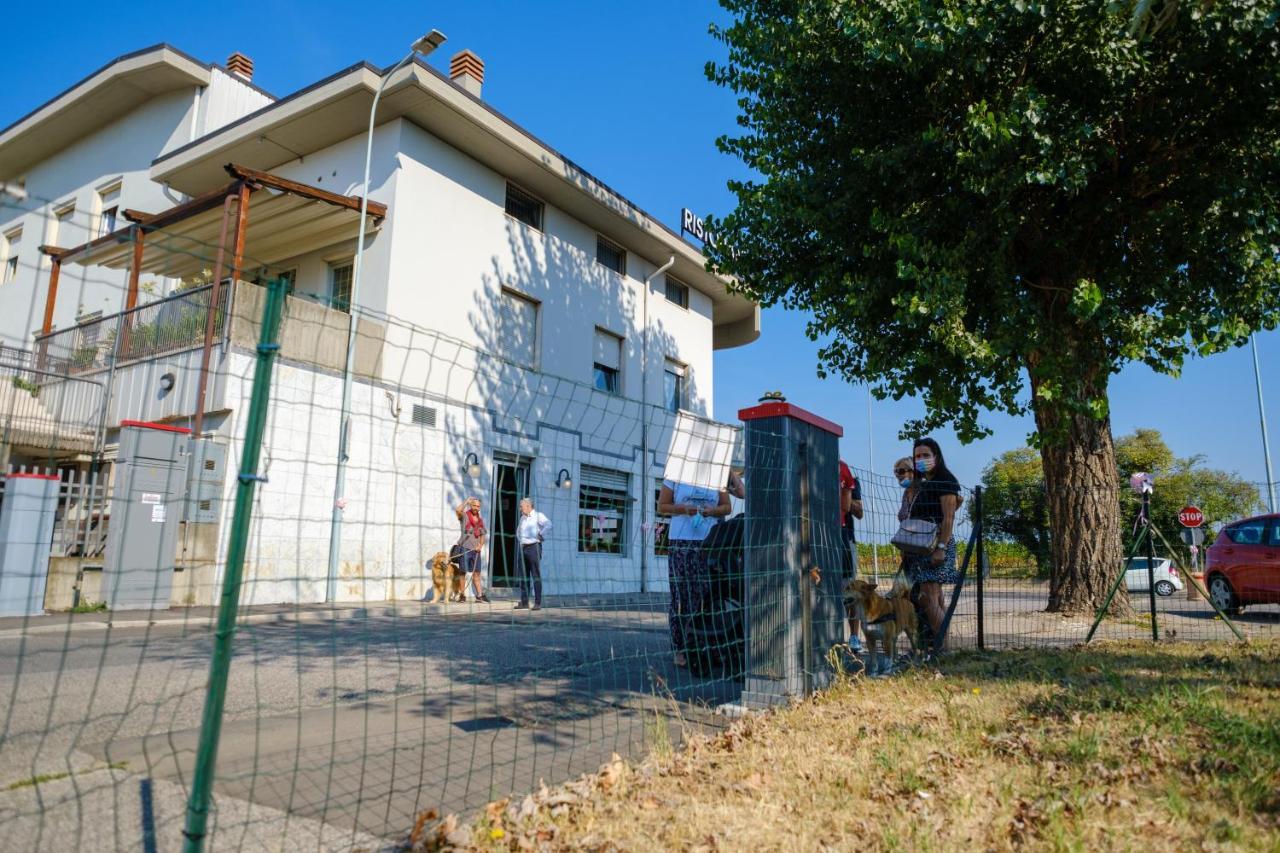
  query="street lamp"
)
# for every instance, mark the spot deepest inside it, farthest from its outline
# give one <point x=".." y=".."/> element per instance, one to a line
<point x="473" y="465"/>
<point x="421" y="47"/>
<point x="563" y="480"/>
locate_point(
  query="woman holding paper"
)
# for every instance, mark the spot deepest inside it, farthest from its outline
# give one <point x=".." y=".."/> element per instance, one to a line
<point x="693" y="511"/>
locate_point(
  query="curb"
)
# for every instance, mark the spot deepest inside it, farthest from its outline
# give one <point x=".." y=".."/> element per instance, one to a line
<point x="206" y="621"/>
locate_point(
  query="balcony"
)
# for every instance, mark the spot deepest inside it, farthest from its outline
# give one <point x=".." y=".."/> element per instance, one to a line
<point x="168" y="325"/>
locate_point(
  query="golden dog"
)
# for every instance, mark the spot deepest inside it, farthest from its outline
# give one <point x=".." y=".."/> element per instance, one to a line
<point x="883" y="618"/>
<point x="446" y="575"/>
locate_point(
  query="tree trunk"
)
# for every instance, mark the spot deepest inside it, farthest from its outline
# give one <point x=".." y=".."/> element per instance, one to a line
<point x="1084" y="504"/>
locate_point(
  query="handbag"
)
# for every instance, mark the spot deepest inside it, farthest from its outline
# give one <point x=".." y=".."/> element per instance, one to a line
<point x="917" y="536"/>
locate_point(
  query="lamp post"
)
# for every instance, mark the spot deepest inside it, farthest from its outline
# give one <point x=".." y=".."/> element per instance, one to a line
<point x="1262" y="417"/>
<point x="421" y="47"/>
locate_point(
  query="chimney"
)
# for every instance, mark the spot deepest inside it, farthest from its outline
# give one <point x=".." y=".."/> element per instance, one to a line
<point x="467" y="70"/>
<point x="240" y="65"/>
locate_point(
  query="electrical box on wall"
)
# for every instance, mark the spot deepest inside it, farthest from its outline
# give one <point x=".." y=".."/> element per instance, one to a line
<point x="206" y="474"/>
<point x="151" y="480"/>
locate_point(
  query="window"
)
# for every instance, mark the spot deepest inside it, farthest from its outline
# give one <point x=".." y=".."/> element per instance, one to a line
<point x="611" y="255"/>
<point x="340" y="278"/>
<point x="109" y="207"/>
<point x="266" y="276"/>
<point x="603" y="500"/>
<point x="1275" y="533"/>
<point x="516" y="328"/>
<point x="661" y="525"/>
<point x="673" y="386"/>
<point x="12" y="240"/>
<point x="524" y="207"/>
<point x="61" y="221"/>
<point x="605" y="378"/>
<point x="677" y="292"/>
<point x="608" y="361"/>
<point x="1247" y="532"/>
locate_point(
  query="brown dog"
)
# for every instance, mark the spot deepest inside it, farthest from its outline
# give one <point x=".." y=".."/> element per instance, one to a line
<point x="883" y="618"/>
<point x="446" y="575"/>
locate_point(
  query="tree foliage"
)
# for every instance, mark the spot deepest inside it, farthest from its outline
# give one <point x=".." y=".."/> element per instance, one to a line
<point x="1222" y="496"/>
<point x="1014" y="505"/>
<point x="968" y="194"/>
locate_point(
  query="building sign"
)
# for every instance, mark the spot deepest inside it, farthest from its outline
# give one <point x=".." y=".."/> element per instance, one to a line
<point x="693" y="225"/>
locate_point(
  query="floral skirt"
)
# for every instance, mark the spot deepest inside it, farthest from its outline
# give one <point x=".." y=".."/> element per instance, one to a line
<point x="919" y="568"/>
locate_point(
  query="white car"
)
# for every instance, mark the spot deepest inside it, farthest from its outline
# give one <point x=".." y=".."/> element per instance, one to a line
<point x="1167" y="579"/>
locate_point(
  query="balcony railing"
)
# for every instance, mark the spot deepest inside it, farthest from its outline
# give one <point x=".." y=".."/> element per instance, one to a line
<point x="167" y="325"/>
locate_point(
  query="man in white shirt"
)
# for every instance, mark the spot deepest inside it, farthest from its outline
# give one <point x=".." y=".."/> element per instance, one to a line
<point x="530" y="532"/>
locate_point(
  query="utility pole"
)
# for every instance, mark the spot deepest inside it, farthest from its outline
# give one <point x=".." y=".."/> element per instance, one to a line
<point x="1262" y="417"/>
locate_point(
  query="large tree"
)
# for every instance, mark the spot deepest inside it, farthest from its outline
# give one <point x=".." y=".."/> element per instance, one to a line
<point x="997" y="205"/>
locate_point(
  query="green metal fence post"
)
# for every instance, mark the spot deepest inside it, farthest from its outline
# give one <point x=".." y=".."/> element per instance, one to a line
<point x="215" y="697"/>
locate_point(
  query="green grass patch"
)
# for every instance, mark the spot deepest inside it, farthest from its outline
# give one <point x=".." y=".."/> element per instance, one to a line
<point x="90" y="607"/>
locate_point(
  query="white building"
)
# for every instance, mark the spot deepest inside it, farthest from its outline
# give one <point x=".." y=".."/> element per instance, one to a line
<point x="507" y="341"/>
<point x="84" y="158"/>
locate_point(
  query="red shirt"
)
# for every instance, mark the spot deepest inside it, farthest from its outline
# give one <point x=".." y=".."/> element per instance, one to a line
<point x="848" y="482"/>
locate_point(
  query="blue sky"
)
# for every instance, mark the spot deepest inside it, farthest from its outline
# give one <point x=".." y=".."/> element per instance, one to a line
<point x="618" y="88"/>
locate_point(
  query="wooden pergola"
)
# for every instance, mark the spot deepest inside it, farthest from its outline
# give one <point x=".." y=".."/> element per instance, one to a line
<point x="290" y="219"/>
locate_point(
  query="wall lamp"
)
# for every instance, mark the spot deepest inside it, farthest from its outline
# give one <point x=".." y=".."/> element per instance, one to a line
<point x="563" y="479"/>
<point x="473" y="465"/>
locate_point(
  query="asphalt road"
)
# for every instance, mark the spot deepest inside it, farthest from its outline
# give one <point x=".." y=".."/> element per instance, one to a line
<point x="338" y="732"/>
<point x="357" y="724"/>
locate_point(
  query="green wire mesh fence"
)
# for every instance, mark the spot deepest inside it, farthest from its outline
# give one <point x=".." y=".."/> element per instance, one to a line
<point x="410" y="680"/>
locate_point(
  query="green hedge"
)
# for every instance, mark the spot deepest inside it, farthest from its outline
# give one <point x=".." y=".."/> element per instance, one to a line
<point x="1007" y="559"/>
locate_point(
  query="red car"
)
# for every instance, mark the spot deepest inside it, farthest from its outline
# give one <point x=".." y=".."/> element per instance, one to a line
<point x="1243" y="564"/>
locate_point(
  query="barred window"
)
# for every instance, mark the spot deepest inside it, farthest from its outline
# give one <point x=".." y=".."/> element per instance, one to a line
<point x="677" y="292"/>
<point x="611" y="255"/>
<point x="604" y="501"/>
<point x="524" y="207"/>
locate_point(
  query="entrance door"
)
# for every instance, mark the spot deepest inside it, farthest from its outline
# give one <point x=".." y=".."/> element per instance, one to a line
<point x="510" y="484"/>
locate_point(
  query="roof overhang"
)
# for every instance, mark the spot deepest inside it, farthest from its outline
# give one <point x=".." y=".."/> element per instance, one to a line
<point x="286" y="219"/>
<point x="337" y="108"/>
<point x="104" y="96"/>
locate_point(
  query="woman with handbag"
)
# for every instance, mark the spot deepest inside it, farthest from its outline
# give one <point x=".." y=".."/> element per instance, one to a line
<point x="925" y="536"/>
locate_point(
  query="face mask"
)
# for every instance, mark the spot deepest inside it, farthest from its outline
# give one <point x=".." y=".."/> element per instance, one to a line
<point x="905" y="482"/>
<point x="924" y="466"/>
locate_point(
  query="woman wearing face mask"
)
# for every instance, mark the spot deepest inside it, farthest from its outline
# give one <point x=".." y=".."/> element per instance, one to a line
<point x="932" y="495"/>
<point x="904" y="473"/>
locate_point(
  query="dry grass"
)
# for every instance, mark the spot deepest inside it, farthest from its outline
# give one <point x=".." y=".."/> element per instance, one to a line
<point x="1122" y="746"/>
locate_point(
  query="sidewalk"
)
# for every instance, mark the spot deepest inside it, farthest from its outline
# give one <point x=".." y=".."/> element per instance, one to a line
<point x="12" y="627"/>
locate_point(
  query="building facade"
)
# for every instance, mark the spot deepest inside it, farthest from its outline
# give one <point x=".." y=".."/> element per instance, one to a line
<point x="523" y="330"/>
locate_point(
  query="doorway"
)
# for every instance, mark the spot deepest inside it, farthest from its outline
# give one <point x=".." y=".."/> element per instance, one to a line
<point x="510" y="484"/>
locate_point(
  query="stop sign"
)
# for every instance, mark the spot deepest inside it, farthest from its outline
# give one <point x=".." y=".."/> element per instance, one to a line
<point x="1191" y="516"/>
